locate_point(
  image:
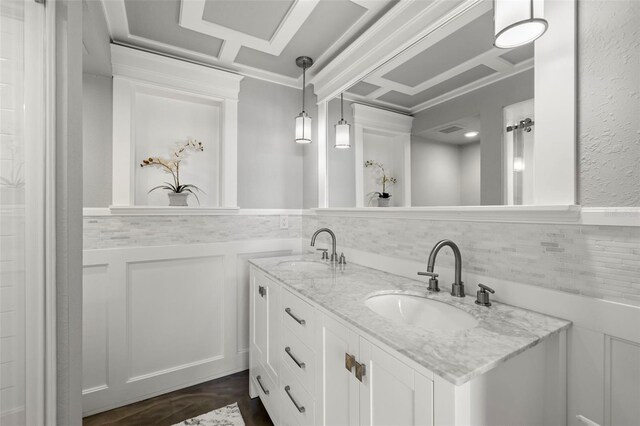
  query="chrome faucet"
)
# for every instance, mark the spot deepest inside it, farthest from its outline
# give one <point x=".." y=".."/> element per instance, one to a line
<point x="334" y="254"/>
<point x="457" y="288"/>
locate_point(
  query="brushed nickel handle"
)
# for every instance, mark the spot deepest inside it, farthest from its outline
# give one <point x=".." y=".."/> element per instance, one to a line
<point x="349" y="362"/>
<point x="298" y="320"/>
<point x="298" y="363"/>
<point x="300" y="408"/>
<point x="360" y="371"/>
<point x="265" y="390"/>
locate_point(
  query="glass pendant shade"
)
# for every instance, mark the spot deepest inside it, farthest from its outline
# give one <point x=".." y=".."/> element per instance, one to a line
<point x="342" y="135"/>
<point x="303" y="128"/>
<point x="518" y="22"/>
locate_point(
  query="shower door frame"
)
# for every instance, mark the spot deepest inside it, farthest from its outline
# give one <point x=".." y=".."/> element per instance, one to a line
<point x="39" y="211"/>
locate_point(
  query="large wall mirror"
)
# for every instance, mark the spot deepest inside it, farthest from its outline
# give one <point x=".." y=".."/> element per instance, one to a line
<point x="453" y="120"/>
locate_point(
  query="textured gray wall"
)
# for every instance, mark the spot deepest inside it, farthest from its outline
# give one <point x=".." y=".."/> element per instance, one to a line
<point x="609" y="103"/>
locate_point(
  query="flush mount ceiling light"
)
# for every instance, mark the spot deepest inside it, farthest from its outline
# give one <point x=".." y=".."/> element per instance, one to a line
<point x="518" y="22"/>
<point x="342" y="129"/>
<point x="303" y="121"/>
<point x="471" y="134"/>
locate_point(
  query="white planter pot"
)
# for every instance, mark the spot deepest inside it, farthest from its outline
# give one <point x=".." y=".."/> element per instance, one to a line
<point x="178" y="199"/>
<point x="383" y="202"/>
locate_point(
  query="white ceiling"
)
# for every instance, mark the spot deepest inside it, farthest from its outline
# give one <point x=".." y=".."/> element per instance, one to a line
<point x="259" y="38"/>
<point x="455" y="59"/>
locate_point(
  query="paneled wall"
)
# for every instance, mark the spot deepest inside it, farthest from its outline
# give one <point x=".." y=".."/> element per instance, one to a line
<point x="166" y="300"/>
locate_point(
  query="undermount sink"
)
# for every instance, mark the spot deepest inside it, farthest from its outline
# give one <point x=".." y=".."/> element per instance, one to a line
<point x="421" y="312"/>
<point x="304" y="265"/>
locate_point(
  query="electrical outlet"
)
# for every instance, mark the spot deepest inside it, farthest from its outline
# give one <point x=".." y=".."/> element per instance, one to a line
<point x="284" y="222"/>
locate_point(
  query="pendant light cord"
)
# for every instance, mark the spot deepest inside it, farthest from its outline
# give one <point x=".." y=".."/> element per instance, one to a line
<point x="341" y="107"/>
<point x="304" y="84"/>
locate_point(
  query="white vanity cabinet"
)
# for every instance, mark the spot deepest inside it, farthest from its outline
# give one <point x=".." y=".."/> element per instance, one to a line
<point x="298" y="367"/>
<point x="311" y="367"/>
<point x="384" y="392"/>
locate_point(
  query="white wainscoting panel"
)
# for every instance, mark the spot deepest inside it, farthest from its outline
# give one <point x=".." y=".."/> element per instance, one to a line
<point x="622" y="382"/>
<point x="162" y="318"/>
<point x="94" y="317"/>
<point x="164" y="299"/>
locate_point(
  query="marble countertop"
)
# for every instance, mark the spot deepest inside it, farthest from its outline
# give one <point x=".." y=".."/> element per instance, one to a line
<point x="503" y="331"/>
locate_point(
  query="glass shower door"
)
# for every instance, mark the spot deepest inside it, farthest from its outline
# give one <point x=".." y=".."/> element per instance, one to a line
<point x="22" y="146"/>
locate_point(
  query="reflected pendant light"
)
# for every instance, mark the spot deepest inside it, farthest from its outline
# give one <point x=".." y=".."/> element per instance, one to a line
<point x="342" y="129"/>
<point x="518" y="22"/>
<point x="303" y="121"/>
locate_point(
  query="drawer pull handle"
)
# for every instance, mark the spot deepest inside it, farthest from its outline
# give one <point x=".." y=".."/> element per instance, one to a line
<point x="298" y="363"/>
<point x="298" y="320"/>
<point x="262" y="291"/>
<point x="265" y="390"/>
<point x="300" y="408"/>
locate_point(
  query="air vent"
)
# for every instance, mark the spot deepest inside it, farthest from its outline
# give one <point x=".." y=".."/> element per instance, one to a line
<point x="450" y="129"/>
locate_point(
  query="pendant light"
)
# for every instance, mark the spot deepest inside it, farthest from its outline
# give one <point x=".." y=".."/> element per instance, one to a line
<point x="303" y="121"/>
<point x="518" y="22"/>
<point x="342" y="129"/>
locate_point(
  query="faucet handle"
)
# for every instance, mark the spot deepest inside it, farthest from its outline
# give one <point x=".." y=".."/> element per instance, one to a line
<point x="433" y="281"/>
<point x="429" y="274"/>
<point x="483" y="296"/>
<point x="343" y="260"/>
<point x="325" y="255"/>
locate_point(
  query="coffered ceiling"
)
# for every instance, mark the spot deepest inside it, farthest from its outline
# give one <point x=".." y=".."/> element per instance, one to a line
<point x="455" y="59"/>
<point x="259" y="38"/>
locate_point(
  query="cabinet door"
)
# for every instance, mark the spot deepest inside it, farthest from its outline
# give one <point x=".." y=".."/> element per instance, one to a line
<point x="337" y="387"/>
<point x="274" y="328"/>
<point x="392" y="393"/>
<point x="266" y="322"/>
<point x="258" y="312"/>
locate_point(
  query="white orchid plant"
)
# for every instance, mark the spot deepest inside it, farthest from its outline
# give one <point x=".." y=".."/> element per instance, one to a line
<point x="384" y="179"/>
<point x="172" y="167"/>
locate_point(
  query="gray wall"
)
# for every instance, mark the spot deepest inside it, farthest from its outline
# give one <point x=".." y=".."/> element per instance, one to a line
<point x="96" y="134"/>
<point x="310" y="162"/>
<point x="609" y="103"/>
<point x="444" y="174"/>
<point x="270" y="163"/>
<point x="341" y="162"/>
<point x="470" y="174"/>
<point x="435" y="173"/>
<point x="488" y="103"/>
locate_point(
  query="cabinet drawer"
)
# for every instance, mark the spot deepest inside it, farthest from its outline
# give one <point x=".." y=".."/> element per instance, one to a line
<point x="300" y="359"/>
<point x="267" y="391"/>
<point x="297" y="404"/>
<point x="299" y="317"/>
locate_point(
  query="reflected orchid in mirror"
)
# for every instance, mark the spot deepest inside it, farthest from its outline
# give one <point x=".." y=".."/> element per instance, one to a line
<point x="384" y="179"/>
<point x="172" y="166"/>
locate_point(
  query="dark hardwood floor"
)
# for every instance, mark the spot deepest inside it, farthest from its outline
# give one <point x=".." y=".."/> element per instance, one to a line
<point x="174" y="407"/>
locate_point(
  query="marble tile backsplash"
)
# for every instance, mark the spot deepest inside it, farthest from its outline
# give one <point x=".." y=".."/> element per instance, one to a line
<point x="102" y="232"/>
<point x="595" y="261"/>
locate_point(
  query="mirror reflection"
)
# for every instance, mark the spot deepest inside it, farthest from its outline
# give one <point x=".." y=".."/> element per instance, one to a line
<point x="448" y="122"/>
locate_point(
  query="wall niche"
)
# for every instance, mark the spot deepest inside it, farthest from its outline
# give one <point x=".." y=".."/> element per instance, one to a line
<point x="159" y="103"/>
